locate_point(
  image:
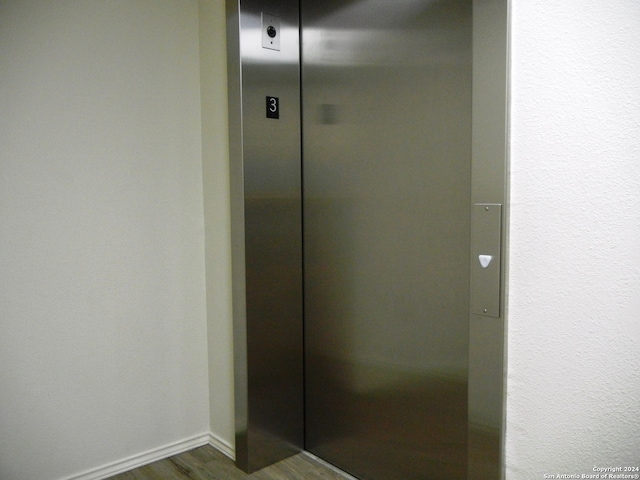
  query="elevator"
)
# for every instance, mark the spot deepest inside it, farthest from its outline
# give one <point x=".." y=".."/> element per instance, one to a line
<point x="368" y="180"/>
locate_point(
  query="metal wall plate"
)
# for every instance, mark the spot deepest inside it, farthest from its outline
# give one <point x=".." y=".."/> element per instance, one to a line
<point x="486" y="232"/>
<point x="271" y="32"/>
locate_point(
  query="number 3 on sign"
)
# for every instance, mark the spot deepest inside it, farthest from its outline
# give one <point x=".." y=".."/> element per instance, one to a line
<point x="273" y="107"/>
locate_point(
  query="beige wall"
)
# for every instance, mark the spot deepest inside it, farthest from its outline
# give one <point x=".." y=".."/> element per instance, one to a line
<point x="103" y="352"/>
<point x="215" y="160"/>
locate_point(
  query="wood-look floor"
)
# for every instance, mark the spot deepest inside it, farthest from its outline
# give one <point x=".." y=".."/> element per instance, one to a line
<point x="207" y="463"/>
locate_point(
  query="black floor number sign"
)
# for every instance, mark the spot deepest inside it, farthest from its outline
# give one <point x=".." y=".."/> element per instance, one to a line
<point x="273" y="107"/>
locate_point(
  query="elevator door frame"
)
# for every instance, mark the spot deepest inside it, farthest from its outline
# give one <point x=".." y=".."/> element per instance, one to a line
<point x="262" y="438"/>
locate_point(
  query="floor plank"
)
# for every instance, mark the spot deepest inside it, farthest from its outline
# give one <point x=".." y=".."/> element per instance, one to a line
<point x="207" y="463"/>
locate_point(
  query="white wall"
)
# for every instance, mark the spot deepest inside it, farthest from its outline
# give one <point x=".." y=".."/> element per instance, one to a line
<point x="103" y="350"/>
<point x="574" y="306"/>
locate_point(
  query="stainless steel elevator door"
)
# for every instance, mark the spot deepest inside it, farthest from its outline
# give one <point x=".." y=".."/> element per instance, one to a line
<point x="387" y="193"/>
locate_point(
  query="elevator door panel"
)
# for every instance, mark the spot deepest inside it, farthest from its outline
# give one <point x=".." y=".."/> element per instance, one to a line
<point x="387" y="182"/>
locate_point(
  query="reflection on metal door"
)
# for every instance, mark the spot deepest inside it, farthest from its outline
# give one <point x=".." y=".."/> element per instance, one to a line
<point x="387" y="196"/>
<point x="363" y="232"/>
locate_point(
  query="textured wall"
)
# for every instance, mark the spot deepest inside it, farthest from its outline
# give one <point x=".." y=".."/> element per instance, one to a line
<point x="103" y="348"/>
<point x="574" y="306"/>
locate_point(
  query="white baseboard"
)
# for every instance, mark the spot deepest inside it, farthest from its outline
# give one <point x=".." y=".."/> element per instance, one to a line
<point x="222" y="445"/>
<point x="151" y="456"/>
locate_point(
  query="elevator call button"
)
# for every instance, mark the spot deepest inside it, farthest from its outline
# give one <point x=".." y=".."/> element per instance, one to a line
<point x="486" y="235"/>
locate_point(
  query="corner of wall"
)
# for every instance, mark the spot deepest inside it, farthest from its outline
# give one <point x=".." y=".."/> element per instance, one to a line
<point x="215" y="164"/>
